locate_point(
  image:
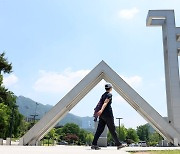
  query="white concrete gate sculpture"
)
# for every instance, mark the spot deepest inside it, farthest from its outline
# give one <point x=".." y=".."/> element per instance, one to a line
<point x="170" y="129"/>
<point x="171" y="43"/>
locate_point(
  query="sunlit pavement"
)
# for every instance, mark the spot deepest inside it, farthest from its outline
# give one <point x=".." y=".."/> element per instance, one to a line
<point x="58" y="150"/>
<point x="74" y="149"/>
<point x="150" y="148"/>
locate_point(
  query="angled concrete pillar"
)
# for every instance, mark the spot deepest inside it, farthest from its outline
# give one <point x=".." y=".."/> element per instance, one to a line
<point x="51" y="118"/>
<point x="141" y="106"/>
<point x="171" y="44"/>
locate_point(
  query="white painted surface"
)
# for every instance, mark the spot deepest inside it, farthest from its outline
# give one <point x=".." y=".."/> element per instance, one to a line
<point x="58" y="150"/>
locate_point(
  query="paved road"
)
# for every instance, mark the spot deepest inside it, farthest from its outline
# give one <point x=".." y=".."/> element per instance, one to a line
<point x="58" y="150"/>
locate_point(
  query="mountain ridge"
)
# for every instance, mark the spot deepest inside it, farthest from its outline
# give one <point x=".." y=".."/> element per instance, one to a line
<point x="29" y="107"/>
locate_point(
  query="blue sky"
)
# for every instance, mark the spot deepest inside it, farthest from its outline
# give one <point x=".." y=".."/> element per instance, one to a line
<point x="54" y="44"/>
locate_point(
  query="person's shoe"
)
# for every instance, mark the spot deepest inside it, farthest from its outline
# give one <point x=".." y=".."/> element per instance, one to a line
<point x="120" y="147"/>
<point x="95" y="147"/>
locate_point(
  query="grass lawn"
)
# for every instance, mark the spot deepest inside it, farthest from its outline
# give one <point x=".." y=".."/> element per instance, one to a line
<point x="159" y="152"/>
<point x="166" y="152"/>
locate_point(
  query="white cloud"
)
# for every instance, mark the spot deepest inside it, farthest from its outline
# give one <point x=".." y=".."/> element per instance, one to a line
<point x="10" y="80"/>
<point x="55" y="82"/>
<point x="128" y="13"/>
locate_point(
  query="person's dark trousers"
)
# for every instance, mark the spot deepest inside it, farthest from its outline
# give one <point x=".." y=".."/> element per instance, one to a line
<point x="111" y="126"/>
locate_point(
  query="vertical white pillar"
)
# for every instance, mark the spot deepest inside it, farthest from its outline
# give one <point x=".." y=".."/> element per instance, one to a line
<point x="1" y="141"/>
<point x="176" y="142"/>
<point x="8" y="141"/>
<point x="166" y="19"/>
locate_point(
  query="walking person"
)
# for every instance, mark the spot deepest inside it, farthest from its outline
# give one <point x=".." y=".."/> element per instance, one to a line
<point x="106" y="118"/>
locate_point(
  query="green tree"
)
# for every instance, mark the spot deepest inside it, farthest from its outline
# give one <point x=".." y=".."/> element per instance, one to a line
<point x="71" y="128"/>
<point x="5" y="66"/>
<point x="60" y="134"/>
<point x="154" y="138"/>
<point x="73" y="134"/>
<point x="24" y="127"/>
<point x="4" y="120"/>
<point x="16" y="120"/>
<point x="131" y="134"/>
<point x="52" y="135"/>
<point x="58" y="130"/>
<point x="123" y="133"/>
<point x="11" y="117"/>
<point x="143" y="132"/>
<point x="89" y="138"/>
<point x="82" y="136"/>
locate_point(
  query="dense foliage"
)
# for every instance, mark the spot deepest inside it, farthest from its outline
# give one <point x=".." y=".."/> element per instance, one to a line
<point x="126" y="135"/>
<point x="130" y="135"/>
<point x="70" y="133"/>
<point x="143" y="132"/>
<point x="11" y="119"/>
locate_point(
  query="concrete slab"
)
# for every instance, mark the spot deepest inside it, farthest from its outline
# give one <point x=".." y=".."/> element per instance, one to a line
<point x="75" y="149"/>
<point x="58" y="149"/>
<point x="129" y="149"/>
